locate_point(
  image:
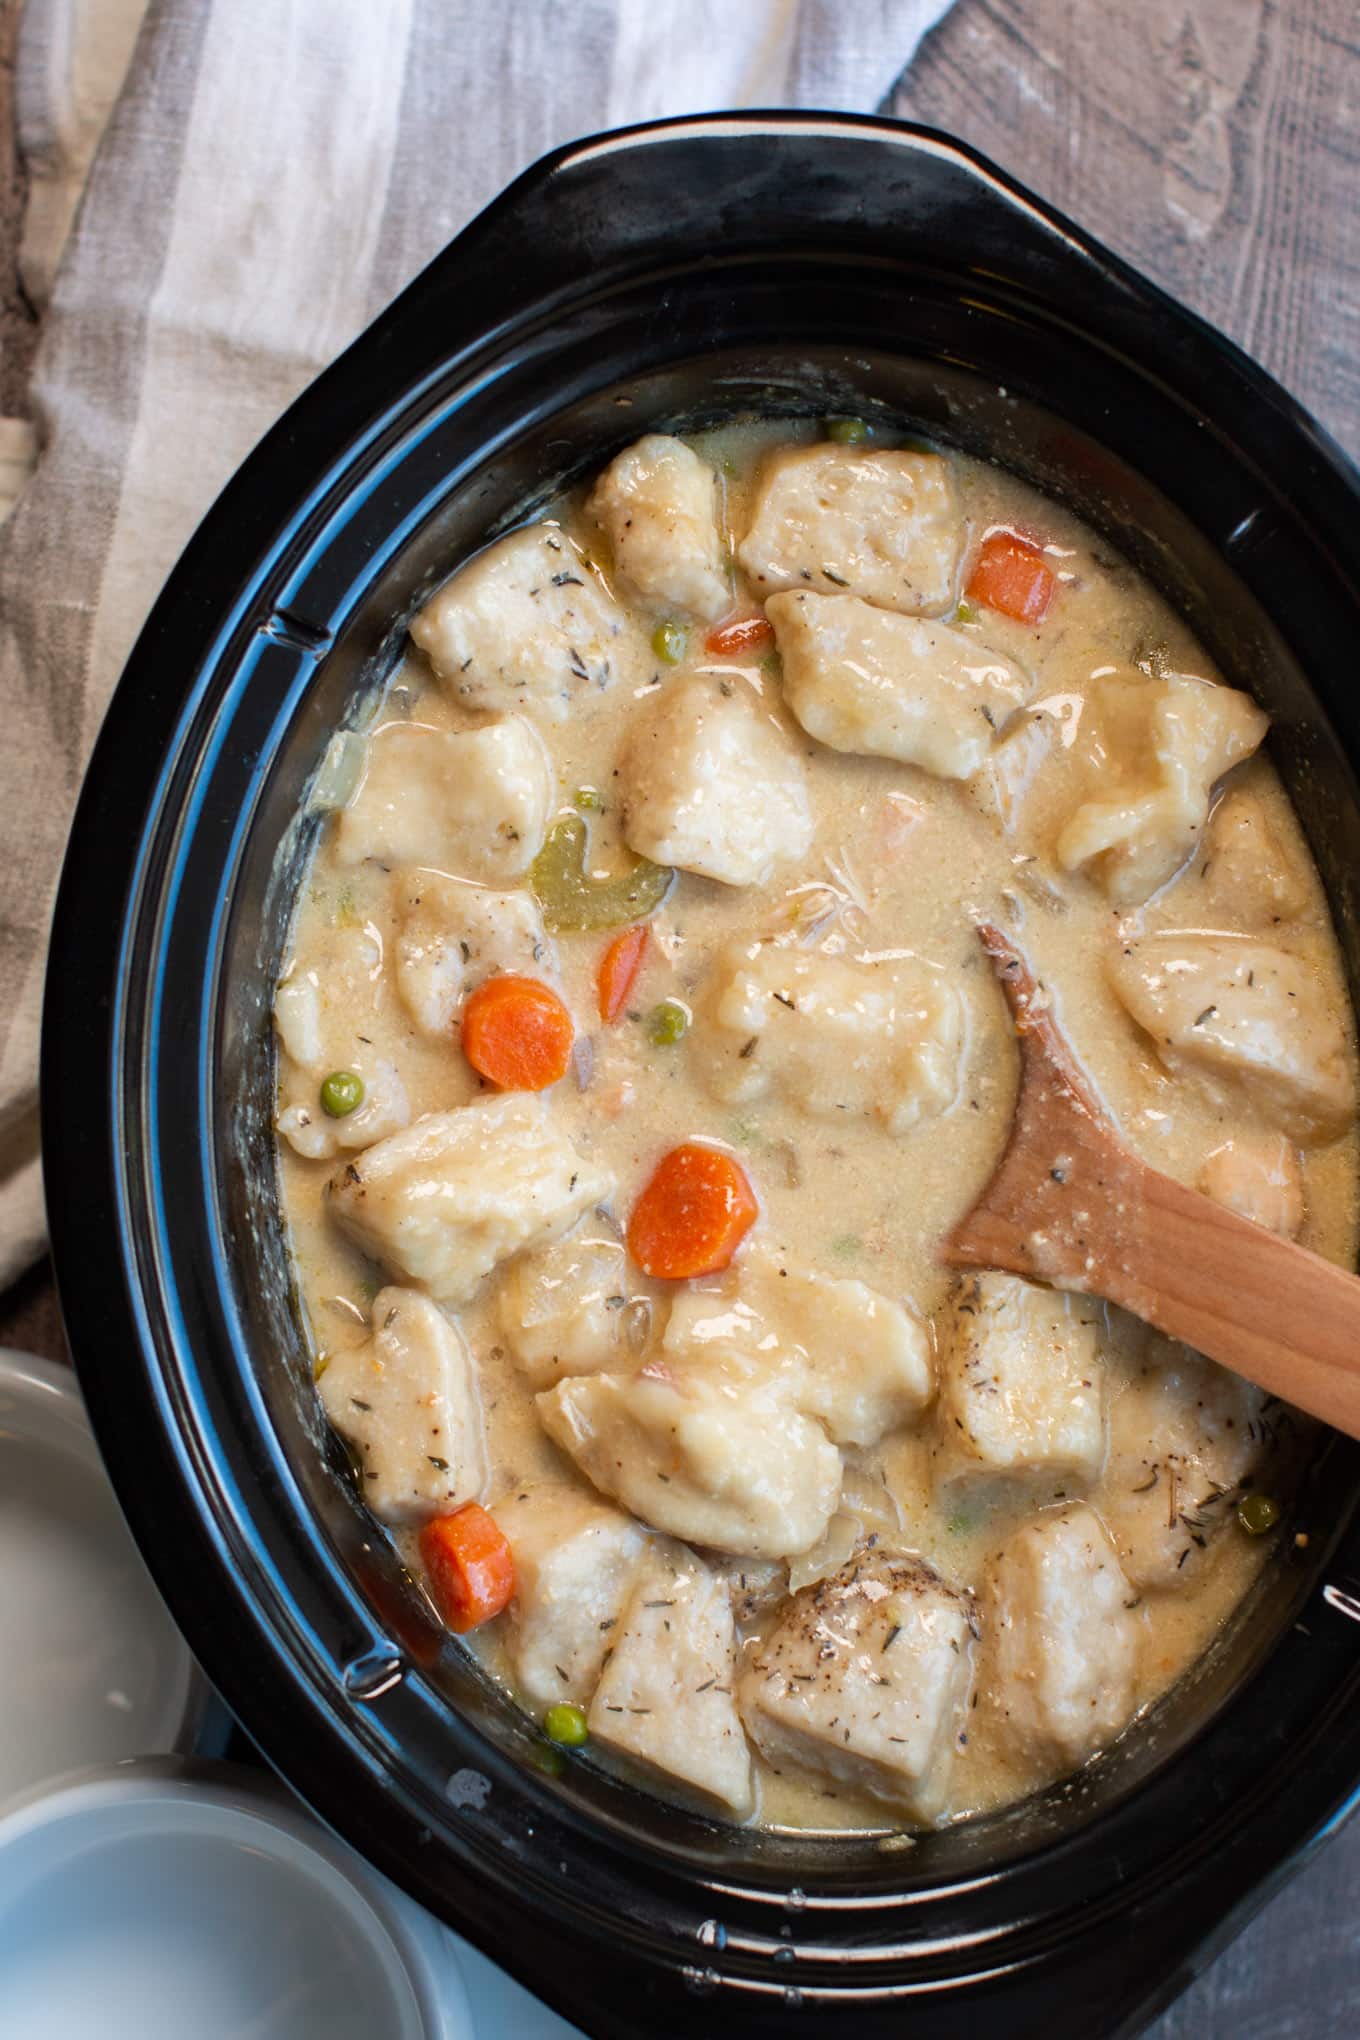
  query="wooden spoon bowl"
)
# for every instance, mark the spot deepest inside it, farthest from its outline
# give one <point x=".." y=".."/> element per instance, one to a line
<point x="1069" y="1205"/>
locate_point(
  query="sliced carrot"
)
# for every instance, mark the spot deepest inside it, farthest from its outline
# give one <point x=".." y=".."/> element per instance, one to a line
<point x="749" y="634"/>
<point x="517" y="1033"/>
<point x="1009" y="575"/>
<point x="618" y="970"/>
<point x="471" y="1567"/>
<point x="693" y="1215"/>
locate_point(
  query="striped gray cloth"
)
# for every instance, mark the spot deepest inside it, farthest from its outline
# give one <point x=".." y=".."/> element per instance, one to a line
<point x="269" y="174"/>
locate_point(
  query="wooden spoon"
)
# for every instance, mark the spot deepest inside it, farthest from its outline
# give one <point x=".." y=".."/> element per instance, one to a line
<point x="1070" y="1206"/>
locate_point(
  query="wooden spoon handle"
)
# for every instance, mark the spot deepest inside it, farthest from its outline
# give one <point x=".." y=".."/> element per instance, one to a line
<point x="1268" y="1308"/>
<point x="1069" y="1205"/>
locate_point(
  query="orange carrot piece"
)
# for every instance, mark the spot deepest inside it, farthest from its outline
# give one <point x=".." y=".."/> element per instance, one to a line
<point x="748" y="634"/>
<point x="693" y="1215"/>
<point x="618" y="971"/>
<point x="471" y="1567"/>
<point x="517" y="1033"/>
<point x="1009" y="575"/>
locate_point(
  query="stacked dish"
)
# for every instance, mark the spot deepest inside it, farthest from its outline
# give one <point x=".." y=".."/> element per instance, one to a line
<point x="142" y="1893"/>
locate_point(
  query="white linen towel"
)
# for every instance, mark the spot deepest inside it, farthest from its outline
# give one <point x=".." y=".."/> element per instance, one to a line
<point x="263" y="175"/>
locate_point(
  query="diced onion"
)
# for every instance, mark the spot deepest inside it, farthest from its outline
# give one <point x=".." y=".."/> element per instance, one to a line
<point x="833" y="1549"/>
<point x="341" y="770"/>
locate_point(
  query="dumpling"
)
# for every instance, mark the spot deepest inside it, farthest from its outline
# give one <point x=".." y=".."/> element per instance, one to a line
<point x="711" y="1452"/>
<point x="884" y="1041"/>
<point x="657" y="503"/>
<point x="1248" y="1020"/>
<point x="575" y="1564"/>
<point x="1184" y="1435"/>
<point x="883" y="524"/>
<point x="664" y="1701"/>
<point x="563" y="1310"/>
<point x="452" y="935"/>
<point x="865" y="1681"/>
<point x="525" y="625"/>
<point x="1021" y="1381"/>
<point x="709" y="782"/>
<point x="1251" y="877"/>
<point x="458" y="1192"/>
<point x="843" y="1352"/>
<point x="406" y="1400"/>
<point x="477" y="800"/>
<point x="863" y="680"/>
<point x="327" y="1020"/>
<point x="1175" y="739"/>
<point x="1062" y="1639"/>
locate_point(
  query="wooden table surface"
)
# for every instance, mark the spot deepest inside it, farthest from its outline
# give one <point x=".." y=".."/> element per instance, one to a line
<point x="1216" y="144"/>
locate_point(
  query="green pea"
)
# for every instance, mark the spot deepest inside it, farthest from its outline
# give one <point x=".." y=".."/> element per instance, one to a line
<point x="566" y="1726"/>
<point x="668" y="642"/>
<point x="667" y="1023"/>
<point x="848" y="431"/>
<point x="1257" y="1514"/>
<point x="342" y="1093"/>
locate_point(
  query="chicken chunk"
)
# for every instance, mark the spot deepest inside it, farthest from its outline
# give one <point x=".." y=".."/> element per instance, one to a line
<point x="1009" y="773"/>
<point x="711" y="783"/>
<point x="1062" y="1640"/>
<point x="326" y="1019"/>
<point x="575" y="1564"/>
<point x="713" y="1453"/>
<point x="873" y="1040"/>
<point x="863" y="680"/>
<point x="1248" y="1021"/>
<point x="406" y="1401"/>
<point x="453" y="935"/>
<point x="1251" y="877"/>
<point x="1176" y="737"/>
<point x="564" y="1309"/>
<point x="657" y="503"/>
<point x="478" y="800"/>
<point x="843" y="1352"/>
<point x="865" y="1681"/>
<point x="1021" y="1381"/>
<point x="885" y="525"/>
<point x="1257" y="1175"/>
<point x="526" y="625"/>
<point x="458" y="1192"/>
<point x="664" y="1702"/>
<point x="1185" y="1434"/>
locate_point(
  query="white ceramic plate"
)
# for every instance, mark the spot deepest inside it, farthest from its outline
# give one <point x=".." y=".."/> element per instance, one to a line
<point x="163" y="1900"/>
<point x="95" y="1670"/>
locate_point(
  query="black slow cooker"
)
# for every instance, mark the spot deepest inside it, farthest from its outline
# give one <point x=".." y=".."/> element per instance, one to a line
<point x="663" y="276"/>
